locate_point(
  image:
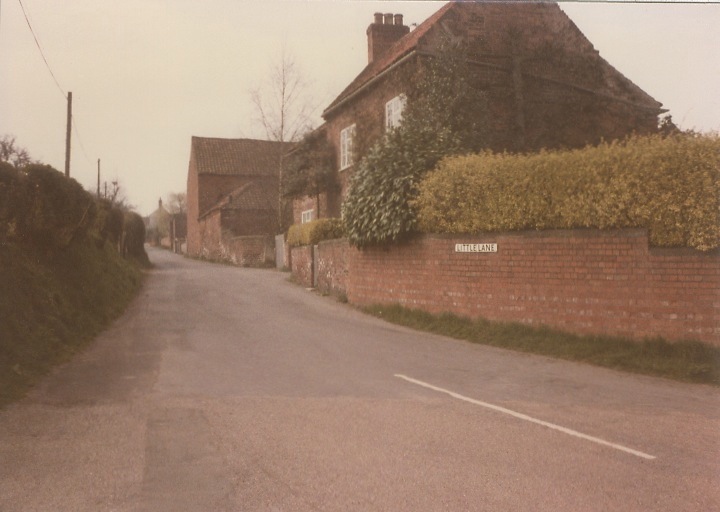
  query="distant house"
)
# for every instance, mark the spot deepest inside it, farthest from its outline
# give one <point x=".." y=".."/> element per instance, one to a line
<point x="546" y="85"/>
<point x="157" y="229"/>
<point x="232" y="199"/>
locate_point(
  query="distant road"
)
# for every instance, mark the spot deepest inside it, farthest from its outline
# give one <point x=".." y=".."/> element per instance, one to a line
<point x="230" y="389"/>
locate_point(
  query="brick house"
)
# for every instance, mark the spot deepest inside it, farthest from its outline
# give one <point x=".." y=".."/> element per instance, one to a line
<point x="545" y="84"/>
<point x="232" y="199"/>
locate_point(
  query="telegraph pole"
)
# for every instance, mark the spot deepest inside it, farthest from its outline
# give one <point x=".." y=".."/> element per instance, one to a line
<point x="67" y="135"/>
<point x="98" y="190"/>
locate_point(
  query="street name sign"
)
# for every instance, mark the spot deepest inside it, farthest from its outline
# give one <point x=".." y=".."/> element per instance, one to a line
<point x="475" y="247"/>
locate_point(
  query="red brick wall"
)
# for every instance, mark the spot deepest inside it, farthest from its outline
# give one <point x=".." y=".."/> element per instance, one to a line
<point x="219" y="244"/>
<point x="193" y="209"/>
<point x="249" y="251"/>
<point x="209" y="237"/>
<point x="332" y="266"/>
<point x="249" y="222"/>
<point x="302" y="204"/>
<point x="583" y="281"/>
<point x="302" y="265"/>
<point x="203" y="191"/>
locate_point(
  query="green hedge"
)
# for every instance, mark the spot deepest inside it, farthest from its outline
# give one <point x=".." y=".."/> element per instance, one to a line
<point x="61" y="278"/>
<point x="41" y="206"/>
<point x="671" y="186"/>
<point x="314" y="232"/>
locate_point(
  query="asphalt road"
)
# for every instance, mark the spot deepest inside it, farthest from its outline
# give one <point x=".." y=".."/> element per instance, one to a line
<point x="229" y="389"/>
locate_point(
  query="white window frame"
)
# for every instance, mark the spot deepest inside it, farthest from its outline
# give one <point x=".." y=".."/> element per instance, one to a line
<point x="307" y="216"/>
<point x="347" y="137"/>
<point x="394" y="110"/>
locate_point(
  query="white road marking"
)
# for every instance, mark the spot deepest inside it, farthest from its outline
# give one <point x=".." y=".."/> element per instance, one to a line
<point x="528" y="418"/>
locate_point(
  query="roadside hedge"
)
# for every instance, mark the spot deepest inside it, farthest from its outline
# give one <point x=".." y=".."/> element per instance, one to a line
<point x="669" y="185"/>
<point x="42" y="207"/>
<point x="62" y="279"/>
<point x="314" y="232"/>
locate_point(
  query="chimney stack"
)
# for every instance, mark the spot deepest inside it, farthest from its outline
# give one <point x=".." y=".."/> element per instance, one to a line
<point x="383" y="33"/>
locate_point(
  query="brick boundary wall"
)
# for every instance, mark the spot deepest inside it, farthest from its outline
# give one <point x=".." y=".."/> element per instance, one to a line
<point x="250" y="251"/>
<point x="301" y="262"/>
<point x="582" y="281"/>
<point x="332" y="267"/>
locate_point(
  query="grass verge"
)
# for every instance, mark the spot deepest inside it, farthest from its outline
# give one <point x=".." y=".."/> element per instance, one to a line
<point x="689" y="361"/>
<point x="53" y="305"/>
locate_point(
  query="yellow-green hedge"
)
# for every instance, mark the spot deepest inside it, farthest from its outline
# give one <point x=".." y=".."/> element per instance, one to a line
<point x="671" y="186"/>
<point x="314" y="232"/>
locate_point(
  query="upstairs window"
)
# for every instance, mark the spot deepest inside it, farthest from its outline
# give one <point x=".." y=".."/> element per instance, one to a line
<point x="347" y="137"/>
<point x="393" y="111"/>
<point x="307" y="216"/>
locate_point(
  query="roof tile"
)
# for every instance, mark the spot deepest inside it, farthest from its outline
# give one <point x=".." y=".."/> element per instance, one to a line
<point x="247" y="157"/>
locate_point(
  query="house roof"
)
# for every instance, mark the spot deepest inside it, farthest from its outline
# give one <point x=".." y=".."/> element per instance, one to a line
<point x="247" y="157"/>
<point x="397" y="51"/>
<point x="253" y="196"/>
<point x="622" y="88"/>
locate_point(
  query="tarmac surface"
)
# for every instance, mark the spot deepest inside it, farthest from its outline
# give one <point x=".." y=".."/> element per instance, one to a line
<point x="231" y="389"/>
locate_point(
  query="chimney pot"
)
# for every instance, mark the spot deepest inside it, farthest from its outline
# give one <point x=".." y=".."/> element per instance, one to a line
<point x="382" y="34"/>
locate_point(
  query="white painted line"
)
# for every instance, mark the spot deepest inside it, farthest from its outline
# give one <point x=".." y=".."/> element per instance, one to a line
<point x="528" y="418"/>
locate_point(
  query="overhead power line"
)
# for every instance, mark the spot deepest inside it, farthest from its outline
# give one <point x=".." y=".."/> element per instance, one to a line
<point x="47" y="64"/>
<point x="82" y="146"/>
<point x="42" y="54"/>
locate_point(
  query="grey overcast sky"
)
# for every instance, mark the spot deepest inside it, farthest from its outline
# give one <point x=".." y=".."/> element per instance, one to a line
<point x="146" y="75"/>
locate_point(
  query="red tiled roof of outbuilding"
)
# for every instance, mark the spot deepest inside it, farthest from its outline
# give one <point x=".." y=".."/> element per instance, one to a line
<point x="253" y="196"/>
<point x="248" y="157"/>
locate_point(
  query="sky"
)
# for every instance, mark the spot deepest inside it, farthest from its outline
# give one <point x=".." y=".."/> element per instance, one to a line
<point x="147" y="75"/>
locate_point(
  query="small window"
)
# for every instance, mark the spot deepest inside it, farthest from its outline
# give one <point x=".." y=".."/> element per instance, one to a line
<point x="347" y="137"/>
<point x="307" y="216"/>
<point x="393" y="111"/>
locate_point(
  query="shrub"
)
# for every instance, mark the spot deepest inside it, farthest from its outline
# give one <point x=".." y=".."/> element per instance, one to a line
<point x="671" y="186"/>
<point x="57" y="210"/>
<point x="108" y="222"/>
<point x="133" y="243"/>
<point x="41" y="207"/>
<point x="445" y="115"/>
<point x="13" y="198"/>
<point x="312" y="233"/>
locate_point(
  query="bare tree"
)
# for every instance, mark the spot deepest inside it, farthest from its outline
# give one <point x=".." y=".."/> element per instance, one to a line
<point x="177" y="203"/>
<point x="283" y="102"/>
<point x="12" y="153"/>
<point x="284" y="108"/>
<point x="114" y="192"/>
